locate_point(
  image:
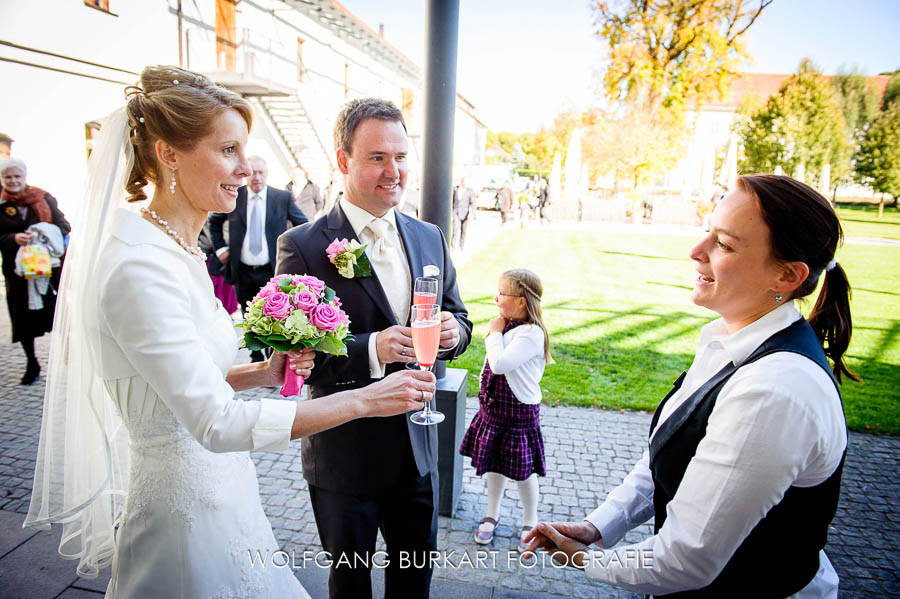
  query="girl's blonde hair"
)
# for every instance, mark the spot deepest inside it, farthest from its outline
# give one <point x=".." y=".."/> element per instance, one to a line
<point x="528" y="285"/>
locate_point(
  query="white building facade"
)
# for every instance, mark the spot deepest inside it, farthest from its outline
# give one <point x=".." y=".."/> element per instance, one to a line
<point x="65" y="64"/>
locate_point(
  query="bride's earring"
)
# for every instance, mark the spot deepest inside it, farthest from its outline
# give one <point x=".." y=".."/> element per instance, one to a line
<point x="172" y="184"/>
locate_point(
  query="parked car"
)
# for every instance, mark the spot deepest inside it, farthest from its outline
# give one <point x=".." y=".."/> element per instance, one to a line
<point x="488" y="197"/>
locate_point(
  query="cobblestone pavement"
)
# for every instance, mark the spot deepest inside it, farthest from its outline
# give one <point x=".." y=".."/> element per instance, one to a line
<point x="588" y="452"/>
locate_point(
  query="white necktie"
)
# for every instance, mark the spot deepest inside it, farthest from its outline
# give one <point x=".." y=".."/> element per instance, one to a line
<point x="388" y="261"/>
<point x="256" y="226"/>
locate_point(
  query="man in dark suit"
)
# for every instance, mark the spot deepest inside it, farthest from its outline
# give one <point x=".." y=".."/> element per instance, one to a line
<point x="463" y="209"/>
<point x="254" y="226"/>
<point x="375" y="473"/>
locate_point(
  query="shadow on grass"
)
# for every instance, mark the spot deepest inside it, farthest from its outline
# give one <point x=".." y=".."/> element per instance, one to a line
<point x="614" y="361"/>
<point x="865" y="220"/>
<point x="875" y="291"/>
<point x="678" y="259"/>
<point x="676" y="286"/>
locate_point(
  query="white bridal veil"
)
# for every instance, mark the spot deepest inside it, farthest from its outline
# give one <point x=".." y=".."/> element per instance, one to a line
<point x="81" y="474"/>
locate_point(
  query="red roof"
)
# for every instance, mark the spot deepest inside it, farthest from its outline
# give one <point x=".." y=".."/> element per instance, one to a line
<point x="764" y="85"/>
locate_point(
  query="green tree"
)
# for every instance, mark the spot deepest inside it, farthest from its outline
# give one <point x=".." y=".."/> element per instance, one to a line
<point x="674" y="52"/>
<point x="878" y="157"/>
<point x="858" y="99"/>
<point x="801" y="127"/>
<point x="892" y="91"/>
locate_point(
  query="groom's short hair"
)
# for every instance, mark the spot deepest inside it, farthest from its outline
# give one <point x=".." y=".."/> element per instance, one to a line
<point x="355" y="112"/>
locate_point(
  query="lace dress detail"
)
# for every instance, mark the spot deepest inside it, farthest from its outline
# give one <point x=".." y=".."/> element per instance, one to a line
<point x="192" y="517"/>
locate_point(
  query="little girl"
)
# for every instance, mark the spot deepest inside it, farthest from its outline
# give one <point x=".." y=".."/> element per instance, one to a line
<point x="504" y="439"/>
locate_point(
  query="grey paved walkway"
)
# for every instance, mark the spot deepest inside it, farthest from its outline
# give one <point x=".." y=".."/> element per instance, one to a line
<point x="588" y="451"/>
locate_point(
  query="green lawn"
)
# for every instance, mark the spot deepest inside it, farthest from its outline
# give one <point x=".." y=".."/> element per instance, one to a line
<point x="861" y="220"/>
<point x="623" y="327"/>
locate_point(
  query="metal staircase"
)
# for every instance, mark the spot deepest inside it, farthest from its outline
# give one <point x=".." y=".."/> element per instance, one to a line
<point x="294" y="125"/>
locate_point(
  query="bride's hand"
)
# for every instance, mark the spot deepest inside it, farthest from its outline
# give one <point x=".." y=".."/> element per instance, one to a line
<point x="399" y="393"/>
<point x="300" y="361"/>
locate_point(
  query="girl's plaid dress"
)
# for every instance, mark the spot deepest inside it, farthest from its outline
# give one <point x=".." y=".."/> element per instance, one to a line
<point x="505" y="435"/>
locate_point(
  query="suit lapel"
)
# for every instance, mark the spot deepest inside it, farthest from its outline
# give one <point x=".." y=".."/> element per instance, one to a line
<point x="240" y="207"/>
<point x="340" y="228"/>
<point x="413" y="245"/>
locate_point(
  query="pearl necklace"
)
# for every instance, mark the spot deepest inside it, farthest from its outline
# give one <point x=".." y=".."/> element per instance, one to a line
<point x="194" y="251"/>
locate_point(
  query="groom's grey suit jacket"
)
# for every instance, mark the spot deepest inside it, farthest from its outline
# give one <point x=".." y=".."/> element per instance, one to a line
<point x="365" y="456"/>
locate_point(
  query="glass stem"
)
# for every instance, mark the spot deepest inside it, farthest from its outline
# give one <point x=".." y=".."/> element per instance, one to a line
<point x="427" y="409"/>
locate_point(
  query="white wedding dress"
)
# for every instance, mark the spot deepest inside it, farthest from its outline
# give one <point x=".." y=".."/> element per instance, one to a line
<point x="193" y="517"/>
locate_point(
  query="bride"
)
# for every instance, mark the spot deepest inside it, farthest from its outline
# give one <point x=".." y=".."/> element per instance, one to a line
<point x="143" y="450"/>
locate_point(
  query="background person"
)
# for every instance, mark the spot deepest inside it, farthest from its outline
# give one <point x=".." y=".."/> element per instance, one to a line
<point x="170" y="499"/>
<point x="504" y="439"/>
<point x="306" y="194"/>
<point x="261" y="213"/>
<point x="742" y="474"/>
<point x="462" y="210"/>
<point x="21" y="206"/>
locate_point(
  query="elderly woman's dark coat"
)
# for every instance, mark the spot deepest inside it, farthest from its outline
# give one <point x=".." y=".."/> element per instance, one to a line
<point x="16" y="219"/>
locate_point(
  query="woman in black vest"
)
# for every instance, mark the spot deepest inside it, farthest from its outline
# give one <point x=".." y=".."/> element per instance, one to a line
<point x="742" y="472"/>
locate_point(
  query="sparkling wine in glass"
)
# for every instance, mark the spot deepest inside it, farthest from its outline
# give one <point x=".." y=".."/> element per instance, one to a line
<point x="426" y="335"/>
<point x="424" y="292"/>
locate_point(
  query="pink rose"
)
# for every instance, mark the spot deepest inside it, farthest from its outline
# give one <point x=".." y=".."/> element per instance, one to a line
<point x="316" y="285"/>
<point x="306" y="300"/>
<point x="278" y="305"/>
<point x="338" y="246"/>
<point x="343" y="316"/>
<point x="324" y="317"/>
<point x="269" y="289"/>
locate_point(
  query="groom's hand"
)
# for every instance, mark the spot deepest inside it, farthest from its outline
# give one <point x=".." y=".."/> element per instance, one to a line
<point x="394" y="344"/>
<point x="449" y="330"/>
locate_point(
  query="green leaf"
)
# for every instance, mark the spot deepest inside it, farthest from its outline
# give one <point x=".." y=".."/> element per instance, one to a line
<point x="328" y="294"/>
<point x="362" y="268"/>
<point x="329" y="344"/>
<point x="358" y="252"/>
<point x="253" y="342"/>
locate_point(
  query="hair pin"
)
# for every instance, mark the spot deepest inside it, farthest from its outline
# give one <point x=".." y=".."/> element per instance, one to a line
<point x="175" y="82"/>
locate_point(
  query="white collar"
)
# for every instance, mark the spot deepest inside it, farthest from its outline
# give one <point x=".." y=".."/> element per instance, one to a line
<point x="262" y="194"/>
<point x="360" y="219"/>
<point x="740" y="345"/>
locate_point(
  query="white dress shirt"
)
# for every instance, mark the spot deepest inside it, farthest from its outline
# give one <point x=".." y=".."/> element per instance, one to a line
<point x="247" y="257"/>
<point x="359" y="219"/>
<point x="776" y="423"/>
<point x="518" y="354"/>
<point x="166" y="339"/>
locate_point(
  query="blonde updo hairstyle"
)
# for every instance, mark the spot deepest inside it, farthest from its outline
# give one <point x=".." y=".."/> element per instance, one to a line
<point x="528" y="285"/>
<point x="178" y="107"/>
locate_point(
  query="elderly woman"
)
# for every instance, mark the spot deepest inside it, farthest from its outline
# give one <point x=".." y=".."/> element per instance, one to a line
<point x="22" y="206"/>
<point x="742" y="472"/>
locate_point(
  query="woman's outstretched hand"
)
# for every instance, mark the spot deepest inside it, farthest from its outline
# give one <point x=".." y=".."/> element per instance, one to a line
<point x="300" y="361"/>
<point x="399" y="393"/>
<point x="570" y="538"/>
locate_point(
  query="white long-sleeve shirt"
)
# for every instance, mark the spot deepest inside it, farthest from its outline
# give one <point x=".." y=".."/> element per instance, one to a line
<point x="519" y="355"/>
<point x="776" y="423"/>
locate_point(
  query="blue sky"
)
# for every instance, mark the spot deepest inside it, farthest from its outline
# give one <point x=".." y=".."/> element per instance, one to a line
<point x="522" y="61"/>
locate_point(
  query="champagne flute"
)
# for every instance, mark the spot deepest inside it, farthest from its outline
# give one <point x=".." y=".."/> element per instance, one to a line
<point x="426" y="335"/>
<point x="425" y="292"/>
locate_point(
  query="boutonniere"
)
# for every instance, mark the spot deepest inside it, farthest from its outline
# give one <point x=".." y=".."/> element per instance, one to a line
<point x="11" y="210"/>
<point x="350" y="258"/>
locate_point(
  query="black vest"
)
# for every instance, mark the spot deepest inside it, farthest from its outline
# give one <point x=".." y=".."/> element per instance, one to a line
<point x="780" y="556"/>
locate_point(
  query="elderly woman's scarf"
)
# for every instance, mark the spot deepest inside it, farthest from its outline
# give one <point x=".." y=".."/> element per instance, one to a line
<point x="33" y="197"/>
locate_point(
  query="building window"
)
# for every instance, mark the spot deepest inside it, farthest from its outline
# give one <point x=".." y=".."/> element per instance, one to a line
<point x="226" y="39"/>
<point x="101" y="5"/>
<point x="300" y="68"/>
<point x="91" y="132"/>
<point x="346" y="80"/>
<point x="406" y="106"/>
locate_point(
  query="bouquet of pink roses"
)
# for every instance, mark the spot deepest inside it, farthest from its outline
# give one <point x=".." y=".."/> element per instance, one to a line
<point x="296" y="312"/>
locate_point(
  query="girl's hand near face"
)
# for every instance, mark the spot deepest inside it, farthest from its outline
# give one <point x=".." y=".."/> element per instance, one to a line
<point x="496" y="325"/>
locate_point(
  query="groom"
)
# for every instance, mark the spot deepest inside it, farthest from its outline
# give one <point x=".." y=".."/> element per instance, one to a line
<point x="374" y="473"/>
